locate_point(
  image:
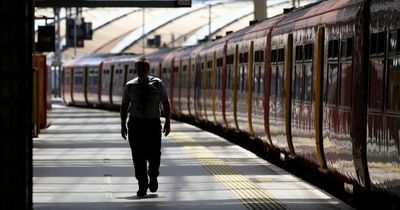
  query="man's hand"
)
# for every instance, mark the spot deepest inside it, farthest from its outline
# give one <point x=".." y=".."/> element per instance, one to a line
<point x="167" y="128"/>
<point x="124" y="131"/>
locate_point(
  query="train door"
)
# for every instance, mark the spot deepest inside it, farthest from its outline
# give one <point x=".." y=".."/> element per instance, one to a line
<point x="184" y="87"/>
<point x="198" y="87"/>
<point x="383" y="121"/>
<point x="243" y="87"/>
<point x="206" y="87"/>
<point x="230" y="86"/>
<point x="337" y="99"/>
<point x="258" y="72"/>
<point x="219" y="80"/>
<point x="67" y="89"/>
<point x="303" y="106"/>
<point x="177" y="68"/>
<point x="191" y="89"/>
<point x="277" y="100"/>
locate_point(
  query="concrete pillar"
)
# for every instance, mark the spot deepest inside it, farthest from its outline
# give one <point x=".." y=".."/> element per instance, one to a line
<point x="260" y="9"/>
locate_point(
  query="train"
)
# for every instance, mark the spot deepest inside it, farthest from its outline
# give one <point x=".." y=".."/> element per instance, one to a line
<point x="320" y="83"/>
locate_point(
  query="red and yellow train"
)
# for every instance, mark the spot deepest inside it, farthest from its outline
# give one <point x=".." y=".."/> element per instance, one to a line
<point x="320" y="83"/>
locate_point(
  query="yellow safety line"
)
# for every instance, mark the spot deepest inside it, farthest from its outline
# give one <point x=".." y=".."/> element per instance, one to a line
<point x="252" y="196"/>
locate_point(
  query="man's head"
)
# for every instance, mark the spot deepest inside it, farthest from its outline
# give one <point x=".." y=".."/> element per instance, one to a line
<point x="142" y="67"/>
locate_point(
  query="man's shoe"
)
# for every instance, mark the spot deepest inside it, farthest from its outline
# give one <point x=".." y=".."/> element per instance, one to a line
<point x="153" y="185"/>
<point x="141" y="193"/>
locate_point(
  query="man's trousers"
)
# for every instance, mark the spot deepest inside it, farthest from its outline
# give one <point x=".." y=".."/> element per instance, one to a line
<point x="145" y="143"/>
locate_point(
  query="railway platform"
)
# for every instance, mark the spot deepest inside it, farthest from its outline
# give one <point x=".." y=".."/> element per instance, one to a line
<point x="81" y="162"/>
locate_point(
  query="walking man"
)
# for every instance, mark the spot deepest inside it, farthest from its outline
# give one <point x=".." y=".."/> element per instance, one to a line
<point x="143" y="96"/>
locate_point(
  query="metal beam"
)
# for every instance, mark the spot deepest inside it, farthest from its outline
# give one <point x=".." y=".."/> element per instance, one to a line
<point x="112" y="3"/>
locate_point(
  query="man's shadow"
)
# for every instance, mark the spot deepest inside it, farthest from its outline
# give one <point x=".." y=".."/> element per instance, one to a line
<point x="134" y="197"/>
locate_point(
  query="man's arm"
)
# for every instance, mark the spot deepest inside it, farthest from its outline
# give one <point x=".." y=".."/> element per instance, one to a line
<point x="166" y="109"/>
<point x="167" y="113"/>
<point x="124" y="113"/>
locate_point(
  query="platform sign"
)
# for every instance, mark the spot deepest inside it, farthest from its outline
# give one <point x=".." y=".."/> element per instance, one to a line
<point x="113" y="3"/>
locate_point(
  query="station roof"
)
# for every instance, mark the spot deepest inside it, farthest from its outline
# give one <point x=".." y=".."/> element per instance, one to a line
<point x="119" y="30"/>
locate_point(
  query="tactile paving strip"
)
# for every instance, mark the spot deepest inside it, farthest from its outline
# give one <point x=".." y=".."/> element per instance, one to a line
<point x="253" y="196"/>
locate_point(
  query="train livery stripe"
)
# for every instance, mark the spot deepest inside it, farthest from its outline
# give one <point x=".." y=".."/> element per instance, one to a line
<point x="252" y="195"/>
<point x="288" y="92"/>
<point x="250" y="70"/>
<point x="235" y="77"/>
<point x="319" y="61"/>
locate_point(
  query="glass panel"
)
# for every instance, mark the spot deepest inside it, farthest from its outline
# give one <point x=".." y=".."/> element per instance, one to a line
<point x="332" y="83"/>
<point x="273" y="81"/>
<point x="298" y="81"/>
<point x="345" y="84"/>
<point x="308" y="78"/>
<point x="393" y="41"/>
<point x="394" y="84"/>
<point x="280" y="81"/>
<point x="376" y="83"/>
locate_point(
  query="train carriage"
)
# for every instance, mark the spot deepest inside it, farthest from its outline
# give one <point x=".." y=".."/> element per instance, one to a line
<point x="184" y="80"/>
<point x="339" y="42"/>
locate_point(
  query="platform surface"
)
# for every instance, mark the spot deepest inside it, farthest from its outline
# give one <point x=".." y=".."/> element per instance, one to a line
<point x="81" y="162"/>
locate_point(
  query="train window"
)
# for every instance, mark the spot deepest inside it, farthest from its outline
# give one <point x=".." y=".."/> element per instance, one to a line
<point x="257" y="56"/>
<point x="331" y="91"/>
<point x="308" y="51"/>
<point x="308" y="78"/>
<point x="394" y="84"/>
<point x="245" y="57"/>
<point x="261" y="56"/>
<point x="218" y="86"/>
<point x="398" y="40"/>
<point x="346" y="48"/>
<point x="229" y="77"/>
<point x="273" y="82"/>
<point x="393" y="38"/>
<point x="229" y="59"/>
<point x="209" y="64"/>
<point x="376" y="84"/>
<point x="345" y="84"/>
<point x="209" y="80"/>
<point x="298" y="82"/>
<point x="242" y="75"/>
<point x="377" y="43"/>
<point x="273" y="56"/>
<point x="280" y="81"/>
<point x="333" y="46"/>
<point x="219" y="62"/>
<point x="281" y="55"/>
<point x="349" y="51"/>
<point x="258" y="81"/>
<point x="299" y="53"/>
<point x="241" y="58"/>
